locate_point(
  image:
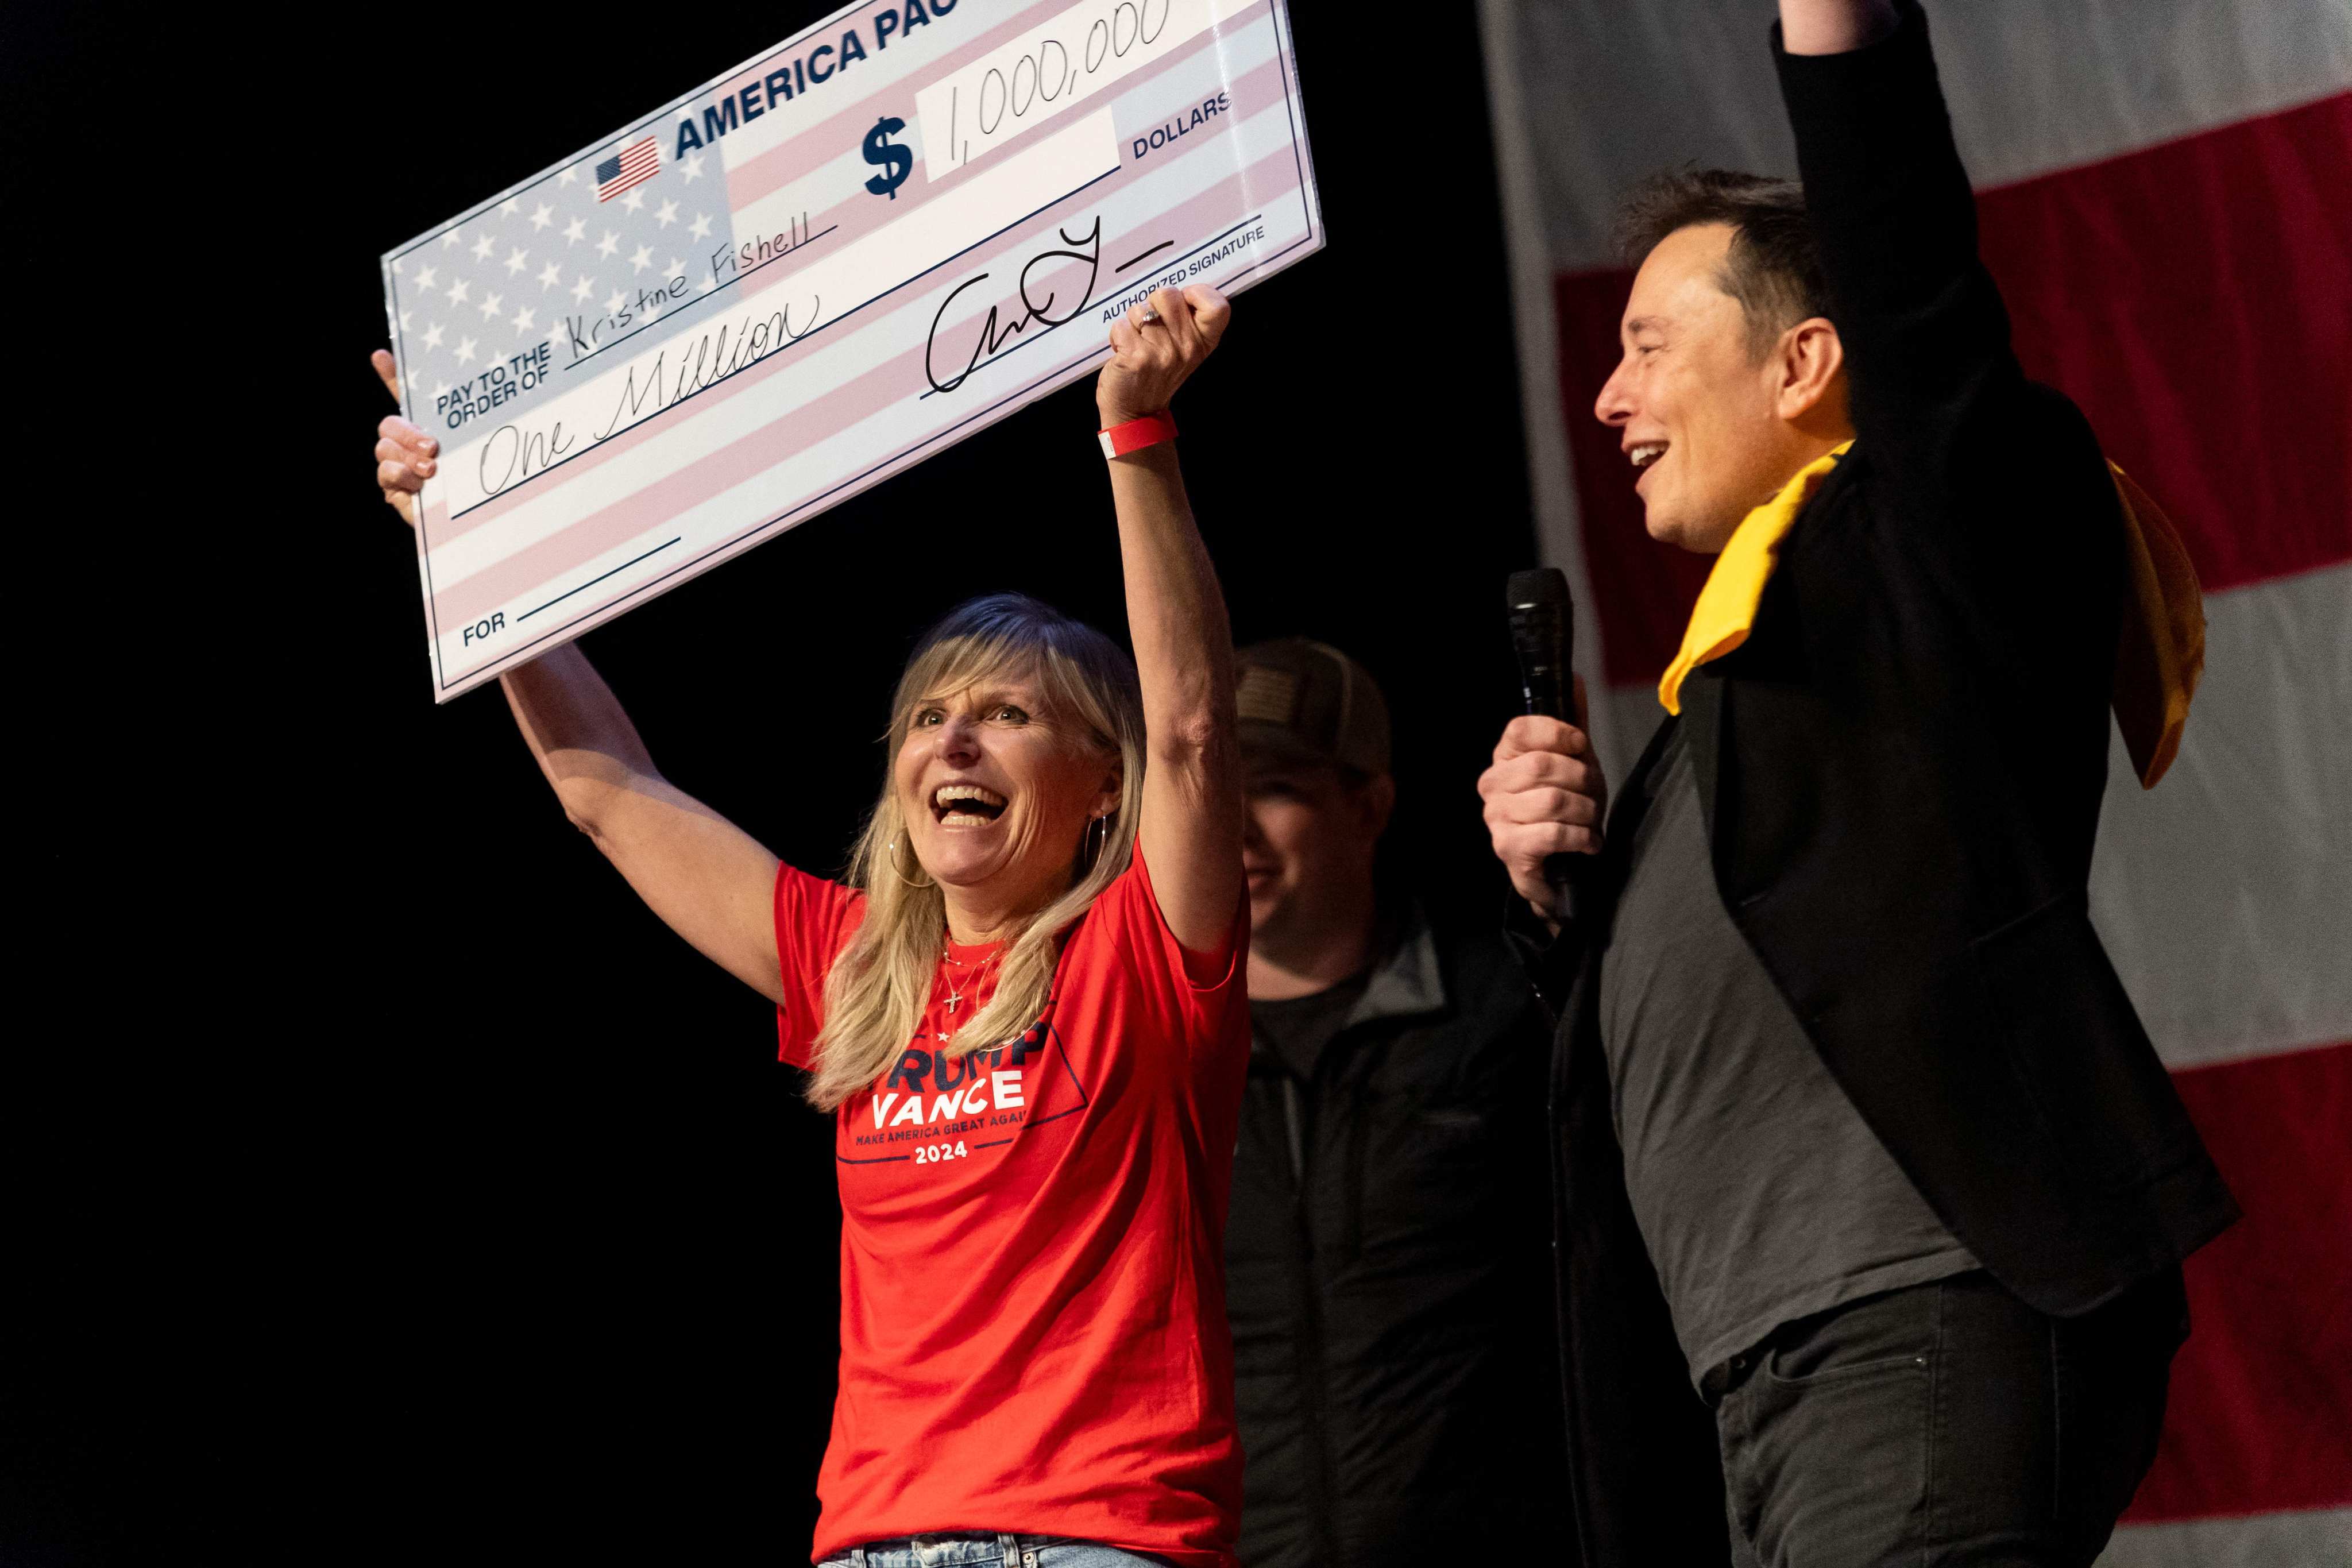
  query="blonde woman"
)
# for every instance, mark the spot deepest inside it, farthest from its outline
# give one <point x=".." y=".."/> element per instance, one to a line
<point x="1026" y="1013"/>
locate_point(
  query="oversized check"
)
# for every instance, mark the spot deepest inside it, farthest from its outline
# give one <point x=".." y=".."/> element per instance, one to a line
<point x="877" y="239"/>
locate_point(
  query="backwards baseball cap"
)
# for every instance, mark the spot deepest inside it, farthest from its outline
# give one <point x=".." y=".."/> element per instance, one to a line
<point x="1306" y="701"/>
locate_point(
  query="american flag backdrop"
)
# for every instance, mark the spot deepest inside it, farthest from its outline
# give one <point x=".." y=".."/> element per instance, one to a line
<point x="2165" y="196"/>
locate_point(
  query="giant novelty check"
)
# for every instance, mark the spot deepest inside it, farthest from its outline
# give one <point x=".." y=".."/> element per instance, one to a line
<point x="875" y="239"/>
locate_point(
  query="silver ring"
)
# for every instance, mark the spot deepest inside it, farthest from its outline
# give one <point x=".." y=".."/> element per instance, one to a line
<point x="1150" y="315"/>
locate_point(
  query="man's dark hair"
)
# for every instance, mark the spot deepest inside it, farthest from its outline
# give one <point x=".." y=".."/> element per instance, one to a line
<point x="1774" y="269"/>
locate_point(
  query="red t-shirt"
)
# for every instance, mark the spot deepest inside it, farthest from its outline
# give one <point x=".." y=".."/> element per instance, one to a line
<point x="1032" y="1302"/>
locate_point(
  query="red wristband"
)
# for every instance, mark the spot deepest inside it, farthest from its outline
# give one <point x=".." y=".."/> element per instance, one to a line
<point x="1119" y="440"/>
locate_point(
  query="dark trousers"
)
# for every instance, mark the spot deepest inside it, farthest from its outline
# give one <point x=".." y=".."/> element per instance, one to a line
<point x="1946" y="1424"/>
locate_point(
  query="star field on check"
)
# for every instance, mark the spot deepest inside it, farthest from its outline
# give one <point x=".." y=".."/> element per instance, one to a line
<point x="502" y="282"/>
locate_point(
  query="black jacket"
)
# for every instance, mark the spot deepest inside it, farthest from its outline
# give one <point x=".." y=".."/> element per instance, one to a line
<point x="1389" y="1274"/>
<point x="1902" y="771"/>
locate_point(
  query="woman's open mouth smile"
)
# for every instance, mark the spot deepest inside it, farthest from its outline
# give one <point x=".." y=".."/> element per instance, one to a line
<point x="966" y="805"/>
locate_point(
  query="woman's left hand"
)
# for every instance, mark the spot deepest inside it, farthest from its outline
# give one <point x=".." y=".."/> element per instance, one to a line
<point x="1154" y="347"/>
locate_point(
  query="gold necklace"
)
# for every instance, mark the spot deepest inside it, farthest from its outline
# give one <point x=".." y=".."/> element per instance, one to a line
<point x="955" y="993"/>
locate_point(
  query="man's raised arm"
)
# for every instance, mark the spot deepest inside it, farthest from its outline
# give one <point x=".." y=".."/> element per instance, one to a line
<point x="1833" y="26"/>
<point x="1924" y="332"/>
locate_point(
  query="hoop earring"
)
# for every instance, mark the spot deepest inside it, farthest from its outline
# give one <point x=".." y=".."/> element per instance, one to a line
<point x="1097" y="839"/>
<point x="890" y="860"/>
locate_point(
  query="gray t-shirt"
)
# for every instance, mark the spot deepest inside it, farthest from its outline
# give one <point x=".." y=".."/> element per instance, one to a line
<point x="1762" y="1195"/>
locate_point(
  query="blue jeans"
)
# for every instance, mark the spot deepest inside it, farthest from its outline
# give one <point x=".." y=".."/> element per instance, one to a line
<point x="972" y="1550"/>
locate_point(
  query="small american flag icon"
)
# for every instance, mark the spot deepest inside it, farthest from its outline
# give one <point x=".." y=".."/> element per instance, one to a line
<point x="632" y="165"/>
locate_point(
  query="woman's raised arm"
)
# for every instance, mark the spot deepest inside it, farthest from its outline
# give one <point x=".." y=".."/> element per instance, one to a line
<point x="708" y="880"/>
<point x="1192" y="827"/>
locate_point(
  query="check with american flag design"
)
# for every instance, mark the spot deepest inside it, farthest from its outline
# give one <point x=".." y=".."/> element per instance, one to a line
<point x="874" y="240"/>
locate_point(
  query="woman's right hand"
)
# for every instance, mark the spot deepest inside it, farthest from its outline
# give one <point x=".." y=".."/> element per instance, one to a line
<point x="404" y="455"/>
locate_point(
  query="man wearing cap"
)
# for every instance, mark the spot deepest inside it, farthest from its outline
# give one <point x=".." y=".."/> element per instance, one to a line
<point x="1388" y="1253"/>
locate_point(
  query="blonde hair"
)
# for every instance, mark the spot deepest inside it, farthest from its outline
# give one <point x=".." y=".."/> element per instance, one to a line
<point x="877" y="988"/>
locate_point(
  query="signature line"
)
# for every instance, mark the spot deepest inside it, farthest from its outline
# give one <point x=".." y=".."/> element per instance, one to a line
<point x="1146" y="256"/>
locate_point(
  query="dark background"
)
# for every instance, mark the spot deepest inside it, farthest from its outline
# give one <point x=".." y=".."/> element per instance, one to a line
<point x="383" y="1183"/>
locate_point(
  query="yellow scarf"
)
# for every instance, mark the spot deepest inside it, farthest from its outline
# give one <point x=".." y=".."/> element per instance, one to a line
<point x="1726" y="605"/>
<point x="2158" y="656"/>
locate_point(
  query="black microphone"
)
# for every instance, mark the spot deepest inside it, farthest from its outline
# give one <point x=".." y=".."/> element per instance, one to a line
<point x="1543" y="631"/>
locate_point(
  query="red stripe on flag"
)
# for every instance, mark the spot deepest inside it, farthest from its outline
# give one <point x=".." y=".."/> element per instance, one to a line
<point x="2261" y="1413"/>
<point x="2194" y="297"/>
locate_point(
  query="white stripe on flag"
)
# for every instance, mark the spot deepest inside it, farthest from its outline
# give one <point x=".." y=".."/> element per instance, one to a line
<point x="2248" y="1540"/>
<point x="1622" y="91"/>
<point x="2224" y="894"/>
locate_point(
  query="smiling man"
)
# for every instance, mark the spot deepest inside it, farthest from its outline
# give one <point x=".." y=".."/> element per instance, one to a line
<point x="1732" y="378"/>
<point x="1858" y="1135"/>
<point x="1388" y="1253"/>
